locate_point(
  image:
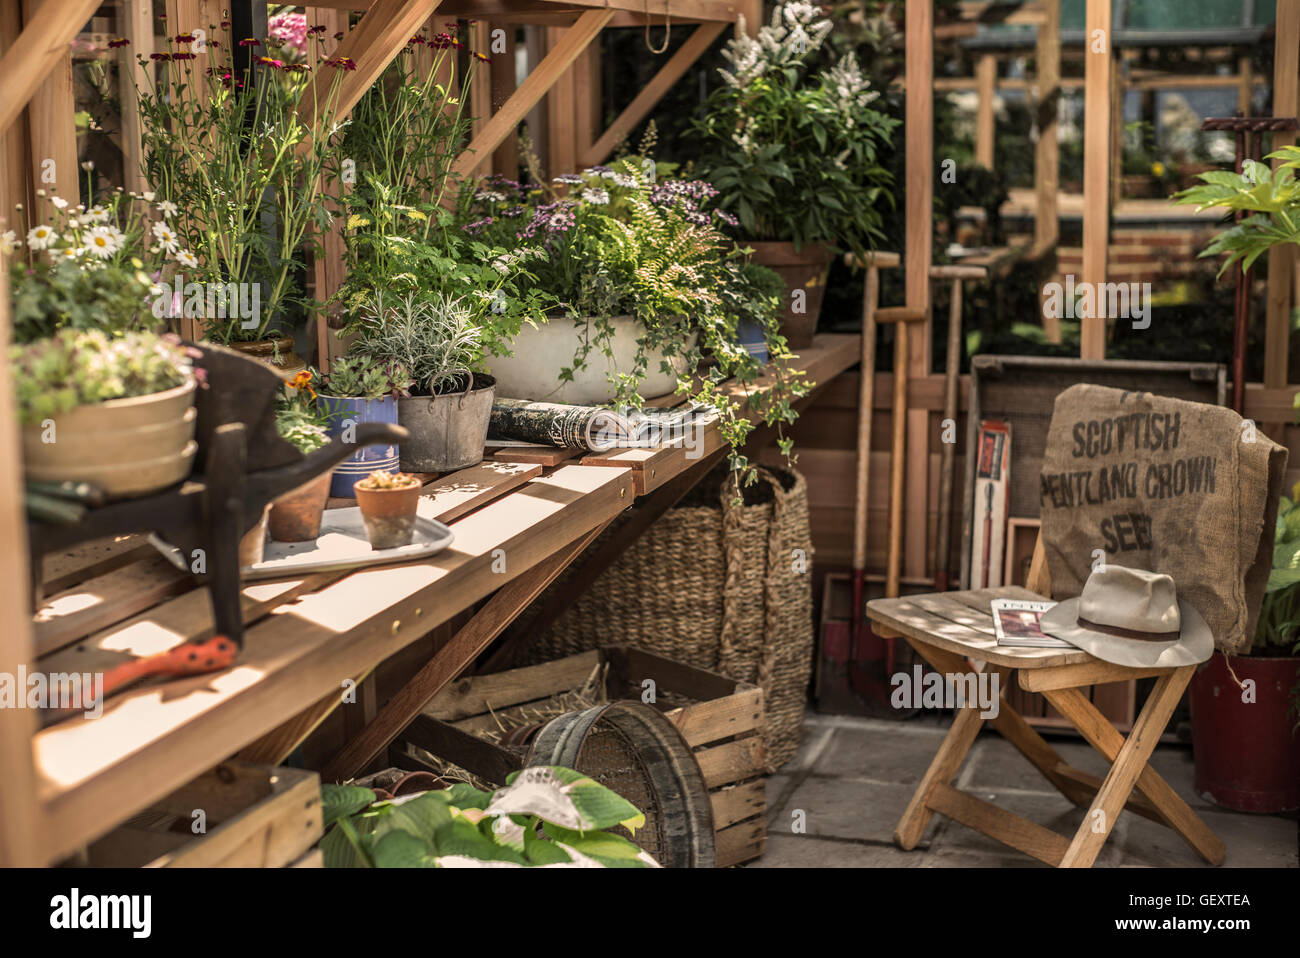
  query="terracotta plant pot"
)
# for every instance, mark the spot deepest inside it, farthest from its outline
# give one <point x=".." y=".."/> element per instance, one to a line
<point x="296" y="517"/>
<point x="389" y="514"/>
<point x="276" y="352"/>
<point x="1247" y="752"/>
<point x="127" y="447"/>
<point x="804" y="270"/>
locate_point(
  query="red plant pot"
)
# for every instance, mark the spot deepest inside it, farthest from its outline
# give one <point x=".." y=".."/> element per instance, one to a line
<point x="1247" y="754"/>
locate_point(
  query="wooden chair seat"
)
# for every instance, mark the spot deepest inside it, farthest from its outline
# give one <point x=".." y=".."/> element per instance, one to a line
<point x="953" y="632"/>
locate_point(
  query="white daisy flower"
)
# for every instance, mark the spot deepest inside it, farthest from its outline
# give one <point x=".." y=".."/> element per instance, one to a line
<point x="101" y="242"/>
<point x="168" y="209"/>
<point x="59" y="202"/>
<point x="148" y="196"/>
<point x="40" y="237"/>
<point x="167" y="239"/>
<point x="187" y="259"/>
<point x="596" y="197"/>
<point x="8" y="241"/>
<point x="97" y="214"/>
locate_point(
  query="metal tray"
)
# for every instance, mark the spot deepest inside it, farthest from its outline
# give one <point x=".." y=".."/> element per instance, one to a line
<point x="342" y="544"/>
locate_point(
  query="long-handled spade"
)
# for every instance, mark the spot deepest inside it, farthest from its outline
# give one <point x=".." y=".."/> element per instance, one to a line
<point x="952" y="365"/>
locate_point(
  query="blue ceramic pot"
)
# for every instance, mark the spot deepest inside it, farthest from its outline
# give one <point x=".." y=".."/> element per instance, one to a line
<point x="750" y="335"/>
<point x="344" y="411"/>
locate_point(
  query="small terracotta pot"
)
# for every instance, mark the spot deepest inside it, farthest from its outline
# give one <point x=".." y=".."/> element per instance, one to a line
<point x="389" y="515"/>
<point x="296" y="516"/>
<point x="253" y="543"/>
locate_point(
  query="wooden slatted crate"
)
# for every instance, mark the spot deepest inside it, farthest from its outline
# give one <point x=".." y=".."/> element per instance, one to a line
<point x="255" y="816"/>
<point x="720" y="718"/>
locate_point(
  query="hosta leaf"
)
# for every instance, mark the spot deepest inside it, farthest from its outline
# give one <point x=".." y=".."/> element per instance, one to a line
<point x="420" y="815"/>
<point x="460" y="837"/>
<point x="401" y="849"/>
<point x="340" y="801"/>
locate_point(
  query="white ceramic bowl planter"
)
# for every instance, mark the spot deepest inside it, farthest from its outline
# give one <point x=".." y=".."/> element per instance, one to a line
<point x="541" y="352"/>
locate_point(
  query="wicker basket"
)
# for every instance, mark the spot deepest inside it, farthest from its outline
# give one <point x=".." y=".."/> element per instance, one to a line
<point x="714" y="585"/>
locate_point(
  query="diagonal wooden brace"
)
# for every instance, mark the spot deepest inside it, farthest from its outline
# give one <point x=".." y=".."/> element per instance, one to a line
<point x="449" y="661"/>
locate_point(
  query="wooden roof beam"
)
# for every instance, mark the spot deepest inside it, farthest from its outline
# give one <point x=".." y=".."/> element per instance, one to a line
<point x="534" y="87"/>
<point x="36" y="51"/>
<point x="372" y="44"/>
<point x="653" y="92"/>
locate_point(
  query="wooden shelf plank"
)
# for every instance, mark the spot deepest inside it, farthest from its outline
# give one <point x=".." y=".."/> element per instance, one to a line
<point x="95" y="774"/>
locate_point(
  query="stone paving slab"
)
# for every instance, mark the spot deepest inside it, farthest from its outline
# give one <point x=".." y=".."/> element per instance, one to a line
<point x="852" y="777"/>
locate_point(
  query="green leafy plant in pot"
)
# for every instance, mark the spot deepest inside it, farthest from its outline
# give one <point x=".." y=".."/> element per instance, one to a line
<point x="297" y="515"/>
<point x="434" y="337"/>
<point x="1247" y="736"/>
<point x="361" y="389"/>
<point x="1246" y="708"/>
<point x="795" y="149"/>
<point x="114" y="411"/>
<point x="237" y="155"/>
<point x="388" y="503"/>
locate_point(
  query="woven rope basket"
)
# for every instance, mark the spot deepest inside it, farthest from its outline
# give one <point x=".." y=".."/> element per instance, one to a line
<point x="717" y="586"/>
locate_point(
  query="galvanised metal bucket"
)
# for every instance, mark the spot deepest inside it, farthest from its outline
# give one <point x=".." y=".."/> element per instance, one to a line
<point x="343" y="410"/>
<point x="447" y="432"/>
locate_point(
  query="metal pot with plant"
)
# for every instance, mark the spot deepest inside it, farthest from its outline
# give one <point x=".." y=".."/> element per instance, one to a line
<point x="388" y="502"/>
<point x="435" y="338"/>
<point x="113" y="411"/>
<point x="359" y="389"/>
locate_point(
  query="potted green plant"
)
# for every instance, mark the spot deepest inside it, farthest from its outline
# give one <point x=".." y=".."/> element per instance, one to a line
<point x="546" y="816"/>
<point x="113" y="411"/>
<point x="388" y="501"/>
<point x="1245" y="737"/>
<point x="1246" y="708"/>
<point x="361" y="389"/>
<point x="296" y="516"/>
<point x="236" y="155"/>
<point x="795" y="149"/>
<point x="435" y="339"/>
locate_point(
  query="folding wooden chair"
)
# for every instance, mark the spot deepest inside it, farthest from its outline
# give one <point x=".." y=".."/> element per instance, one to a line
<point x="953" y="631"/>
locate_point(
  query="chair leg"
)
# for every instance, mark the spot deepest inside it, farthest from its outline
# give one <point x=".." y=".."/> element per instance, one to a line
<point x="1128" y="766"/>
<point x="943" y="768"/>
<point x="960" y="737"/>
<point x="1109" y="742"/>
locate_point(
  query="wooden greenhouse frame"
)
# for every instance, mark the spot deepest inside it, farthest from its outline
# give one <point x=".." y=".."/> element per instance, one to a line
<point x="51" y="806"/>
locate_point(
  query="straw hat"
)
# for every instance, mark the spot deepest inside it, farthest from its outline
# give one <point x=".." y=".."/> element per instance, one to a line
<point x="1131" y="617"/>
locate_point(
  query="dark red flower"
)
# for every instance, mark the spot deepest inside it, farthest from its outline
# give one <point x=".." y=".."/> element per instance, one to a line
<point x="339" y="35"/>
<point x="271" y="62"/>
<point x="250" y="42"/>
<point x="182" y="56"/>
<point x="417" y="39"/>
<point x="481" y="57"/>
<point x="119" y="42"/>
<point x="296" y="68"/>
<point x="160" y="56"/>
<point x="184" y="38"/>
<point x="318" y="29"/>
<point x="342" y="63"/>
<point x="225" y="24"/>
<point x="441" y="41"/>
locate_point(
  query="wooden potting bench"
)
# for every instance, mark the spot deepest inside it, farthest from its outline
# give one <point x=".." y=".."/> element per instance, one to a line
<point x="517" y="527"/>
